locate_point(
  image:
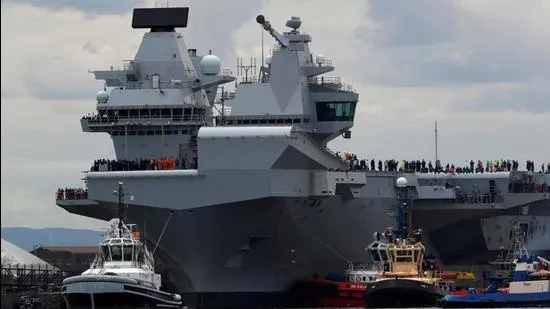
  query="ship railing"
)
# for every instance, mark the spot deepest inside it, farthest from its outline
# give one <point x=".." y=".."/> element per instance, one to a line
<point x="226" y="72"/>
<point x="332" y="82"/>
<point x="331" y="152"/>
<point x="325" y="80"/>
<point x="324" y="63"/>
<point x="477" y="198"/>
<point x="162" y="85"/>
<point x="226" y="95"/>
<point x="96" y="119"/>
<point x="347" y="88"/>
<point x="249" y="80"/>
<point x="223" y="71"/>
<point x="130" y="66"/>
<point x="360" y="267"/>
<point x="71" y="194"/>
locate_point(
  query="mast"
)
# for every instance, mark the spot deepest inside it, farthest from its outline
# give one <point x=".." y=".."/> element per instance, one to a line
<point x="402" y="211"/>
<point x="120" y="206"/>
<point x="436" y="141"/>
<point x="262" y="31"/>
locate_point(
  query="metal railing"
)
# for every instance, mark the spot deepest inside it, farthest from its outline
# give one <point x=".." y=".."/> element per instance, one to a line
<point x="325" y="80"/>
<point x="476" y="198"/>
<point x="249" y="80"/>
<point x="332" y="82"/>
<point x="96" y="119"/>
<point x="360" y="267"/>
<point x="130" y="66"/>
<point x="227" y="95"/>
<point x="223" y="71"/>
<point x="71" y="194"/>
<point x="30" y="275"/>
<point x="324" y="63"/>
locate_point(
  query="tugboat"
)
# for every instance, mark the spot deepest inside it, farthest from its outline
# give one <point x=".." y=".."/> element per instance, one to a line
<point x="121" y="275"/>
<point x="334" y="292"/>
<point x="407" y="278"/>
<point x="503" y="266"/>
<point x="530" y="287"/>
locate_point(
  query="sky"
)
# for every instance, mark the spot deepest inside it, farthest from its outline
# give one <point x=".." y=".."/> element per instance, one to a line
<point x="479" y="68"/>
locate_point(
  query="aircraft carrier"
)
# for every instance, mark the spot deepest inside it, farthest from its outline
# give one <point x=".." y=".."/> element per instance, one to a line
<point x="254" y="199"/>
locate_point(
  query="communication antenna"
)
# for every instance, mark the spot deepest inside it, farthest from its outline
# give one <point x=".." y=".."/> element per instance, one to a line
<point x="243" y="69"/>
<point x="436" y="157"/>
<point x="262" y="31"/>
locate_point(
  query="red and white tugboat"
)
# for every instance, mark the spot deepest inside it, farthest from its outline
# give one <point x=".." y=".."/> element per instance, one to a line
<point x="329" y="292"/>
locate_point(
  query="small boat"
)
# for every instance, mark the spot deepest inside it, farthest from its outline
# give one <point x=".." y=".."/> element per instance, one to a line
<point x="334" y="291"/>
<point x="407" y="278"/>
<point x="529" y="287"/>
<point x="122" y="274"/>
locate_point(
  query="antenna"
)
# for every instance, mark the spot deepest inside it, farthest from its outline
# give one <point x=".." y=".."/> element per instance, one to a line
<point x="242" y="68"/>
<point x="223" y="106"/>
<point x="436" y="141"/>
<point x="262" y="31"/>
<point x="120" y="206"/>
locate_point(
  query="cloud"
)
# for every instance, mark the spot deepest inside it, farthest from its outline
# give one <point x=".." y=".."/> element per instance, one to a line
<point x="441" y="43"/>
<point x="90" y="8"/>
<point x="391" y="21"/>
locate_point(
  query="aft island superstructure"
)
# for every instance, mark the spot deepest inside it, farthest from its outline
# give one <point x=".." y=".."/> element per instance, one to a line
<point x="242" y="205"/>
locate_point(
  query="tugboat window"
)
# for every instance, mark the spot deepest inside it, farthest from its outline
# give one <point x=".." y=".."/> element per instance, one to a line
<point x="105" y="252"/>
<point x="375" y="255"/>
<point x="384" y="255"/>
<point x="127" y="253"/>
<point x="116" y="253"/>
<point x="335" y="111"/>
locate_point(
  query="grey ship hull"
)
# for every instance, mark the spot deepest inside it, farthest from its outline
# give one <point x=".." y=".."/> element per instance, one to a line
<point x="251" y="252"/>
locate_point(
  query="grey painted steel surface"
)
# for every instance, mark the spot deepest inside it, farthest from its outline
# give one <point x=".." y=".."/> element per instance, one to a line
<point x="264" y="206"/>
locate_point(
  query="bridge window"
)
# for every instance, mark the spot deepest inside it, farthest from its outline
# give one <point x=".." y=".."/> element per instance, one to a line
<point x="105" y="252"/>
<point x="116" y="252"/>
<point x="384" y="255"/>
<point x="127" y="252"/>
<point x="375" y="255"/>
<point x="335" y="111"/>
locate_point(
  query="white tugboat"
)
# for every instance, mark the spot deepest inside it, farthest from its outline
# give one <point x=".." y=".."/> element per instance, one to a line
<point x="121" y="275"/>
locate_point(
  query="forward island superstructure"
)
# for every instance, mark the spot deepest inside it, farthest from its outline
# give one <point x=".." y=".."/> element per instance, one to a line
<point x="242" y="205"/>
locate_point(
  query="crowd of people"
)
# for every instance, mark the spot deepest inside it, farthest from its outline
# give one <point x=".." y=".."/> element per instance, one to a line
<point x="169" y="163"/>
<point x="421" y="166"/>
<point x="95" y="117"/>
<point x="71" y="194"/>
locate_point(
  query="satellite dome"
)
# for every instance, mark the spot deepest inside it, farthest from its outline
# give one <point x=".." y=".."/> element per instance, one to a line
<point x="401" y="182"/>
<point x="210" y="65"/>
<point x="268" y="60"/>
<point x="102" y="96"/>
<point x="320" y="59"/>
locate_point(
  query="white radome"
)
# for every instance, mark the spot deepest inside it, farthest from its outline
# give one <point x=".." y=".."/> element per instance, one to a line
<point x="102" y="96"/>
<point x="210" y="65"/>
<point x="401" y="182"/>
<point x="320" y="59"/>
